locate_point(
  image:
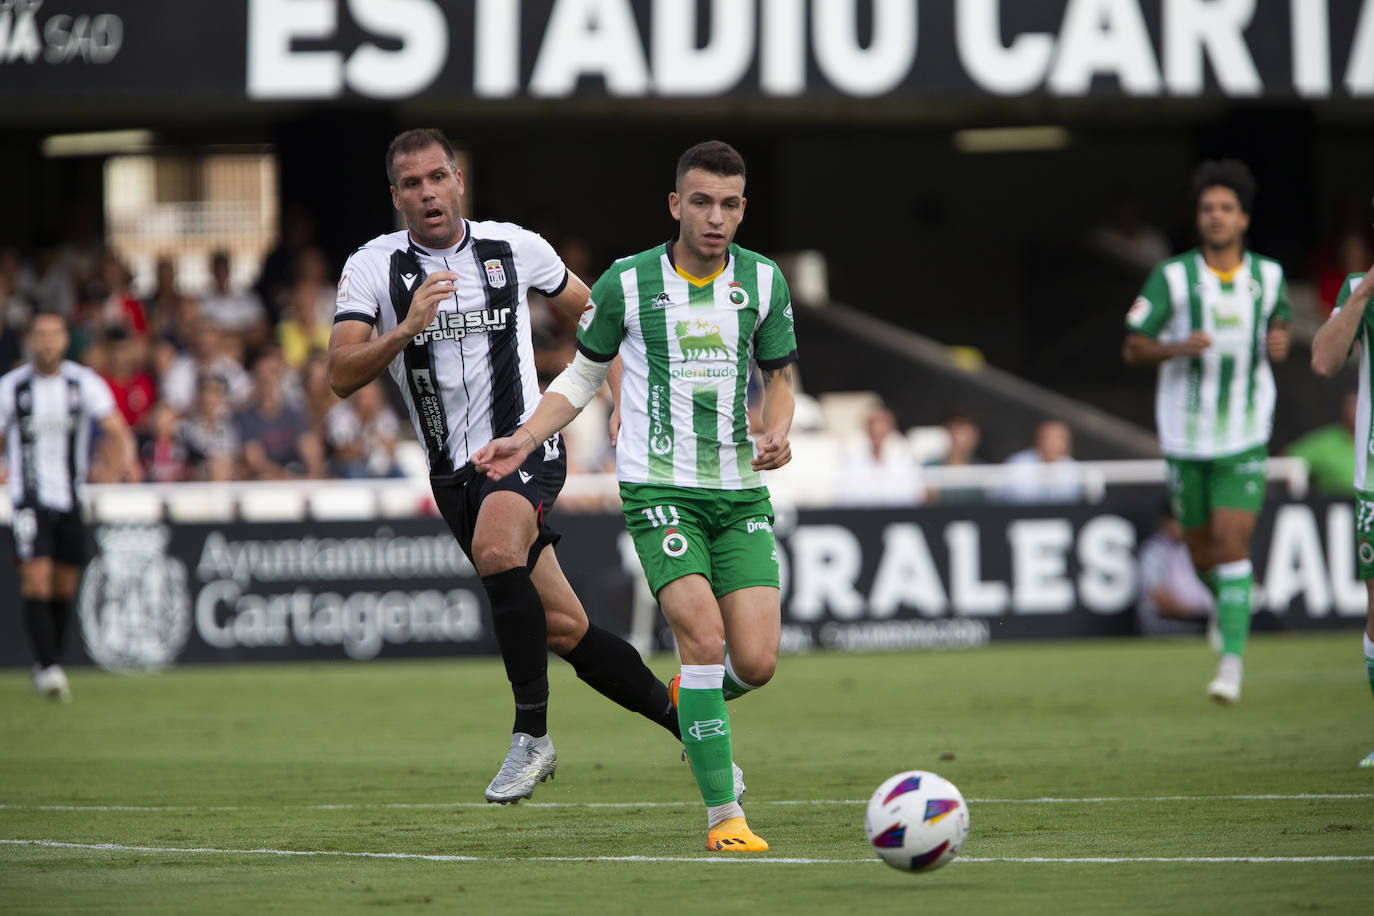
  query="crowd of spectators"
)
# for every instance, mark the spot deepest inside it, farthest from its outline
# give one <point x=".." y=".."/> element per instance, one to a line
<point x="229" y="384"/>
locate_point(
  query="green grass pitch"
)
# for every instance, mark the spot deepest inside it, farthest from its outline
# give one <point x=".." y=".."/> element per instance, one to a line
<point x="180" y="792"/>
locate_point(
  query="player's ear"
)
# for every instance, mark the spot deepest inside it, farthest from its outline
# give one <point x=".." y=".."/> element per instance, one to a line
<point x="395" y="200"/>
<point x="742" y="202"/>
<point x="675" y="205"/>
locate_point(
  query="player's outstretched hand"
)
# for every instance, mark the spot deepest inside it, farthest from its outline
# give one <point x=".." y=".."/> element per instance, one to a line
<point x="500" y="457"/>
<point x="1195" y="344"/>
<point x="1276" y="342"/>
<point x="424" y="303"/>
<point x="772" y="451"/>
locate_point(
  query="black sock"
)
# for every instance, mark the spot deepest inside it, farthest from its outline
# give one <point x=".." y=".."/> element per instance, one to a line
<point x="38" y="626"/>
<point x="517" y="618"/>
<point x="613" y="668"/>
<point x="61" y="611"/>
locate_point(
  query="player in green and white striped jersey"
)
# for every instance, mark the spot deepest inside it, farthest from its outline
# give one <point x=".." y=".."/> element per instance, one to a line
<point x="687" y="318"/>
<point x="1213" y="319"/>
<point x="1352" y="323"/>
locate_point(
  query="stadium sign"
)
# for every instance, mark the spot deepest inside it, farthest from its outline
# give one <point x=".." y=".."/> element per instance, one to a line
<point x="939" y="577"/>
<point x="472" y="52"/>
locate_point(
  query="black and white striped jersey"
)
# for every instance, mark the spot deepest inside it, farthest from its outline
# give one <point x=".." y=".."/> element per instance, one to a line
<point x="46" y="421"/>
<point x="470" y="377"/>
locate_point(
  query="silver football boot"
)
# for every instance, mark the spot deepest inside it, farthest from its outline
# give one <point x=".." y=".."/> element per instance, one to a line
<point x="529" y="762"/>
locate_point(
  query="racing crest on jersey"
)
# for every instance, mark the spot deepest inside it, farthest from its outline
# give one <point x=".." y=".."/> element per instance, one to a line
<point x="496" y="273"/>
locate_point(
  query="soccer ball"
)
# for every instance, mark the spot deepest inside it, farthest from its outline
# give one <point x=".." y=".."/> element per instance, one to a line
<point x="917" y="821"/>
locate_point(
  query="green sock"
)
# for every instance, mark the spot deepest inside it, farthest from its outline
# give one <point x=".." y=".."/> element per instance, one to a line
<point x="1234" y="583"/>
<point x="733" y="687"/>
<point x="1209" y="579"/>
<point x="706" y="738"/>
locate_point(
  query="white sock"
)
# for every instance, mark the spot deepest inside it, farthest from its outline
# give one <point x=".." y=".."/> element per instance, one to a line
<point x="719" y="814"/>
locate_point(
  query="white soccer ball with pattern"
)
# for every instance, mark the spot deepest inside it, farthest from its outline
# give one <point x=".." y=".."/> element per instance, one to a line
<point x="917" y="821"/>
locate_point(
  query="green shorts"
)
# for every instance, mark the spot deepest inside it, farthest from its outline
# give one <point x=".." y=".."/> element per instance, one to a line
<point x="1364" y="533"/>
<point x="724" y="535"/>
<point x="1233" y="482"/>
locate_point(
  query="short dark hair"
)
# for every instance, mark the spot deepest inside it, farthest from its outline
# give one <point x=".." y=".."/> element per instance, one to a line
<point x="412" y="141"/>
<point x="1225" y="173"/>
<point x="46" y="313"/>
<point x="714" y="156"/>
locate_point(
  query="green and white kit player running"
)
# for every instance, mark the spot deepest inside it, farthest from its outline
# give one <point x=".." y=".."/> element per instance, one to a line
<point x="1213" y="319"/>
<point x="1352" y="322"/>
<point x="687" y="318"/>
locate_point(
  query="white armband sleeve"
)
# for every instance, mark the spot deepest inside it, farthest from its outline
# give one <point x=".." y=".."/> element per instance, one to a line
<point x="580" y="382"/>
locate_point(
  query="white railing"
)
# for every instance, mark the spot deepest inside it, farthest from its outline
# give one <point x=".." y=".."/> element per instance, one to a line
<point x="334" y="500"/>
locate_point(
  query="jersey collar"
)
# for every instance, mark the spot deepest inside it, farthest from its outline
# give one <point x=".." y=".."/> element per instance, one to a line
<point x="695" y="281"/>
<point x="442" y="252"/>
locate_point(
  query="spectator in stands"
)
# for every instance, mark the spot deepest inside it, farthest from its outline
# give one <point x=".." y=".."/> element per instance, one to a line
<point x="164" y="305"/>
<point x="53" y="287"/>
<point x="207" y="355"/>
<point x="318" y="397"/>
<point x="964" y="437"/>
<point x="112" y="308"/>
<point x="1172" y="598"/>
<point x="277" y="443"/>
<point x="363" y="430"/>
<point x="236" y="312"/>
<point x="314" y="286"/>
<point x="1046" y="472"/>
<point x="879" y="469"/>
<point x="302" y="331"/>
<point x="133" y="387"/>
<point x="163" y="452"/>
<point x="1330" y="452"/>
<point x="208" y="432"/>
<point x="279" y="267"/>
<point x="15" y="309"/>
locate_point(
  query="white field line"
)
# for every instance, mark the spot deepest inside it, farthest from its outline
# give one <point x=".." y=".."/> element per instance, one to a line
<point x="1033" y="860"/>
<point x="1118" y="799"/>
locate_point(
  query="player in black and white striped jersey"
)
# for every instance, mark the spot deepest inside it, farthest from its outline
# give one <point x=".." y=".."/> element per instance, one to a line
<point x="46" y="410"/>
<point x="442" y="305"/>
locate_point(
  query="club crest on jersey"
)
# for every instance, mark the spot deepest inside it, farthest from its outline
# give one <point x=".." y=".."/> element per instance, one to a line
<point x="737" y="296"/>
<point x="496" y="273"/>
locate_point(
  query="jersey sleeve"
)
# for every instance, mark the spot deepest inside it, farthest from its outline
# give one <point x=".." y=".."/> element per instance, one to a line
<point x="776" y="337"/>
<point x="602" y="326"/>
<point x="360" y="286"/>
<point x="1347" y="288"/>
<point x="545" y="269"/>
<point x="1151" y="309"/>
<point x="96" y="396"/>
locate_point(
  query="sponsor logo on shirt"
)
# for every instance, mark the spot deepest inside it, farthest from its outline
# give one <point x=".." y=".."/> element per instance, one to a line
<point x="342" y="295"/>
<point x="662" y="301"/>
<point x="457" y="325"/>
<point x="588" y="313"/>
<point x="660" y="436"/>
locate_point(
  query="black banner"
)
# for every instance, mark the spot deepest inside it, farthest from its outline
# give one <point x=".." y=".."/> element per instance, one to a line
<point x="480" y="51"/>
<point x="853" y="580"/>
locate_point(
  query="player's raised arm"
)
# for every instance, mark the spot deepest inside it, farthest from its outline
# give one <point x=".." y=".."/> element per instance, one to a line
<point x="1333" y="341"/>
<point x="356" y="358"/>
<point x="562" y="402"/>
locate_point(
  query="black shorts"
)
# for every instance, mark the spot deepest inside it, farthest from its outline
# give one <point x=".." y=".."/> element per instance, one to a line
<point x="40" y="532"/>
<point x="539" y="480"/>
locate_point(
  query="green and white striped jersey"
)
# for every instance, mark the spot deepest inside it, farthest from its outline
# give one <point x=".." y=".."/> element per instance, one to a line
<point x="1364" y="433"/>
<point x="686" y="346"/>
<point x="1222" y="402"/>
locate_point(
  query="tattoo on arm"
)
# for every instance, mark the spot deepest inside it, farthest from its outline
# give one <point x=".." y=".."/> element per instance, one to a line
<point x="785" y="373"/>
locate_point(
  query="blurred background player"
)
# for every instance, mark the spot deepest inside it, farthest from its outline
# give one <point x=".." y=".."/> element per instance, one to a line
<point x="1213" y="319"/>
<point x="46" y="409"/>
<point x="1352" y="322"/>
<point x="442" y="304"/>
<point x="687" y="317"/>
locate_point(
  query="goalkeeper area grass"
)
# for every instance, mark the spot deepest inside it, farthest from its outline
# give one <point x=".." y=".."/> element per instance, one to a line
<point x="1099" y="778"/>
